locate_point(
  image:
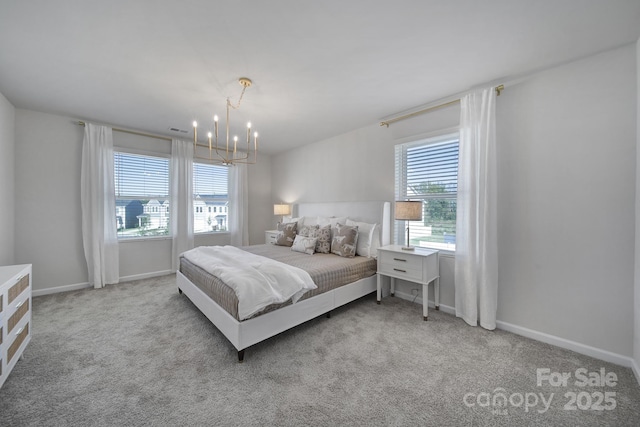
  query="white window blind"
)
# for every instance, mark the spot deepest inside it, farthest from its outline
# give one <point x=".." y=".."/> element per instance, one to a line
<point x="427" y="170"/>
<point x="142" y="195"/>
<point x="210" y="198"/>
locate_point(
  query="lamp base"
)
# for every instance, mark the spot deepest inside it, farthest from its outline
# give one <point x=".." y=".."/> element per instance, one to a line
<point x="408" y="248"/>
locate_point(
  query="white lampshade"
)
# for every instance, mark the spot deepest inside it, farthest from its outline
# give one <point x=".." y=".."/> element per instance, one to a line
<point x="281" y="209"/>
<point x="409" y="210"/>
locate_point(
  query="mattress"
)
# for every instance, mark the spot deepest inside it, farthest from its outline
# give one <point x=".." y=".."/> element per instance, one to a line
<point x="328" y="271"/>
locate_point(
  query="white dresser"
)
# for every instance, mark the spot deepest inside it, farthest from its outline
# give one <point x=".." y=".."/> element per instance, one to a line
<point x="420" y="266"/>
<point x="15" y="315"/>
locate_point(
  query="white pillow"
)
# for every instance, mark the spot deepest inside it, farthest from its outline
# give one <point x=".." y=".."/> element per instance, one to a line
<point x="332" y="220"/>
<point x="375" y="242"/>
<point x="306" y="245"/>
<point x="287" y="220"/>
<point x="308" y="221"/>
<point x="366" y="238"/>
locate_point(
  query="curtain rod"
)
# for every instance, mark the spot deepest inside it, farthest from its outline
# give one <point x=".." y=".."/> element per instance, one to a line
<point x="134" y="132"/>
<point x="426" y="110"/>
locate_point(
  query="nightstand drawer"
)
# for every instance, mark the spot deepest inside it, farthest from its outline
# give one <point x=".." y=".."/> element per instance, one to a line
<point x="271" y="236"/>
<point x="401" y="261"/>
<point x="401" y="272"/>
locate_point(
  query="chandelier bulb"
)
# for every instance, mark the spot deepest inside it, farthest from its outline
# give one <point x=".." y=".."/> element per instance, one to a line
<point x="209" y="135"/>
<point x="248" y="125"/>
<point x="215" y="118"/>
<point x="195" y="124"/>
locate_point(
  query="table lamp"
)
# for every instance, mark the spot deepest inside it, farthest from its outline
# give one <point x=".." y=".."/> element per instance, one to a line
<point x="408" y="210"/>
<point x="281" y="209"/>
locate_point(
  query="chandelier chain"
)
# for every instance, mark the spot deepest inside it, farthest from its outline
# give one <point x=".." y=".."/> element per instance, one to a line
<point x="235" y="107"/>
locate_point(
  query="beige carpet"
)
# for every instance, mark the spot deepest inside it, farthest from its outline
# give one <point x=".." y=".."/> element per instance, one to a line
<point x="139" y="353"/>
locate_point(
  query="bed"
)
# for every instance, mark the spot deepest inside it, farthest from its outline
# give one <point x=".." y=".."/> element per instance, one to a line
<point x="198" y="285"/>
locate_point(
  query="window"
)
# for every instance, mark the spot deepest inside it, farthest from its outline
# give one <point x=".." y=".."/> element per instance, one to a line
<point x="428" y="170"/>
<point x="210" y="188"/>
<point x="142" y="195"/>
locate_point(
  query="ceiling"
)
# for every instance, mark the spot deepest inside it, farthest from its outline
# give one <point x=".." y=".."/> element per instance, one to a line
<point x="319" y="68"/>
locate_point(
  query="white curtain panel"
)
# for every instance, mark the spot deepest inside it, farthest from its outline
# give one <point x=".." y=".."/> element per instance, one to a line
<point x="476" y="262"/>
<point x="98" y="202"/>
<point x="181" y="199"/>
<point x="239" y="205"/>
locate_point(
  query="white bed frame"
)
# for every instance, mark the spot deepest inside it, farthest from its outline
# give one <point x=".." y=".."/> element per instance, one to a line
<point x="248" y="332"/>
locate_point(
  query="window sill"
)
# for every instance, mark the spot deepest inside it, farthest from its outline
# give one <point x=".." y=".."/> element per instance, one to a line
<point x="144" y="239"/>
<point x="212" y="233"/>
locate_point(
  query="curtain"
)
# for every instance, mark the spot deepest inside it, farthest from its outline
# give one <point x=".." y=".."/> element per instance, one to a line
<point x="181" y="199"/>
<point x="98" y="203"/>
<point x="238" y="205"/>
<point x="476" y="261"/>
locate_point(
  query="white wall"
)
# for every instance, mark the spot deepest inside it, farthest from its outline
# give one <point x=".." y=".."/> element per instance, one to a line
<point x="566" y="140"/>
<point x="47" y="200"/>
<point x="47" y="163"/>
<point x="7" y="150"/>
<point x="566" y="156"/>
<point x="260" y="207"/>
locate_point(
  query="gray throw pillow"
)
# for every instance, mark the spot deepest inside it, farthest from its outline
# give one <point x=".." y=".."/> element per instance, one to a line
<point x="323" y="234"/>
<point x="345" y="239"/>
<point x="286" y="234"/>
<point x="307" y="230"/>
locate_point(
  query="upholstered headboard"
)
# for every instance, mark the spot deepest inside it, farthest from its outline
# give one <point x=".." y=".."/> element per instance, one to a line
<point x="377" y="212"/>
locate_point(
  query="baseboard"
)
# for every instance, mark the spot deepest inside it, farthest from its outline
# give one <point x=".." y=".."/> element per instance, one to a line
<point x="78" y="286"/>
<point x="587" y="350"/>
<point x="146" y="275"/>
<point x="59" y="289"/>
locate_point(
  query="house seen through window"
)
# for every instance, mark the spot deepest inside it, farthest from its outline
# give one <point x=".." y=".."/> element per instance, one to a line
<point x="142" y="195"/>
<point x="427" y="170"/>
<point x="210" y="198"/>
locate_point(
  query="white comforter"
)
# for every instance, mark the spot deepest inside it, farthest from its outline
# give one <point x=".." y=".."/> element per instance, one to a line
<point x="256" y="280"/>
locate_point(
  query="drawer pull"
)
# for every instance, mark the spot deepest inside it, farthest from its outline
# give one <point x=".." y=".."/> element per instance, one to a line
<point x="19" y="331"/>
<point x="401" y="271"/>
<point x="20" y="304"/>
<point x="400" y="259"/>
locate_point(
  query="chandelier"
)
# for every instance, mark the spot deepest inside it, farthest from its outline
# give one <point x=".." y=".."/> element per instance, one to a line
<point x="226" y="154"/>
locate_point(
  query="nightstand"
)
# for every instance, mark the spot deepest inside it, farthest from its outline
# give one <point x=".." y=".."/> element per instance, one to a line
<point x="420" y="266"/>
<point x="270" y="236"/>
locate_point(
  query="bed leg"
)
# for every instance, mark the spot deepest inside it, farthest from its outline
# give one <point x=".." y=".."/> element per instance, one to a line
<point x="328" y="315"/>
<point x="180" y="291"/>
<point x="240" y="356"/>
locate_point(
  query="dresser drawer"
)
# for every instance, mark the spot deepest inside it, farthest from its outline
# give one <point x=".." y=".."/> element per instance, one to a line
<point x="21" y="310"/>
<point x="18" y="288"/>
<point x="20" y="336"/>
